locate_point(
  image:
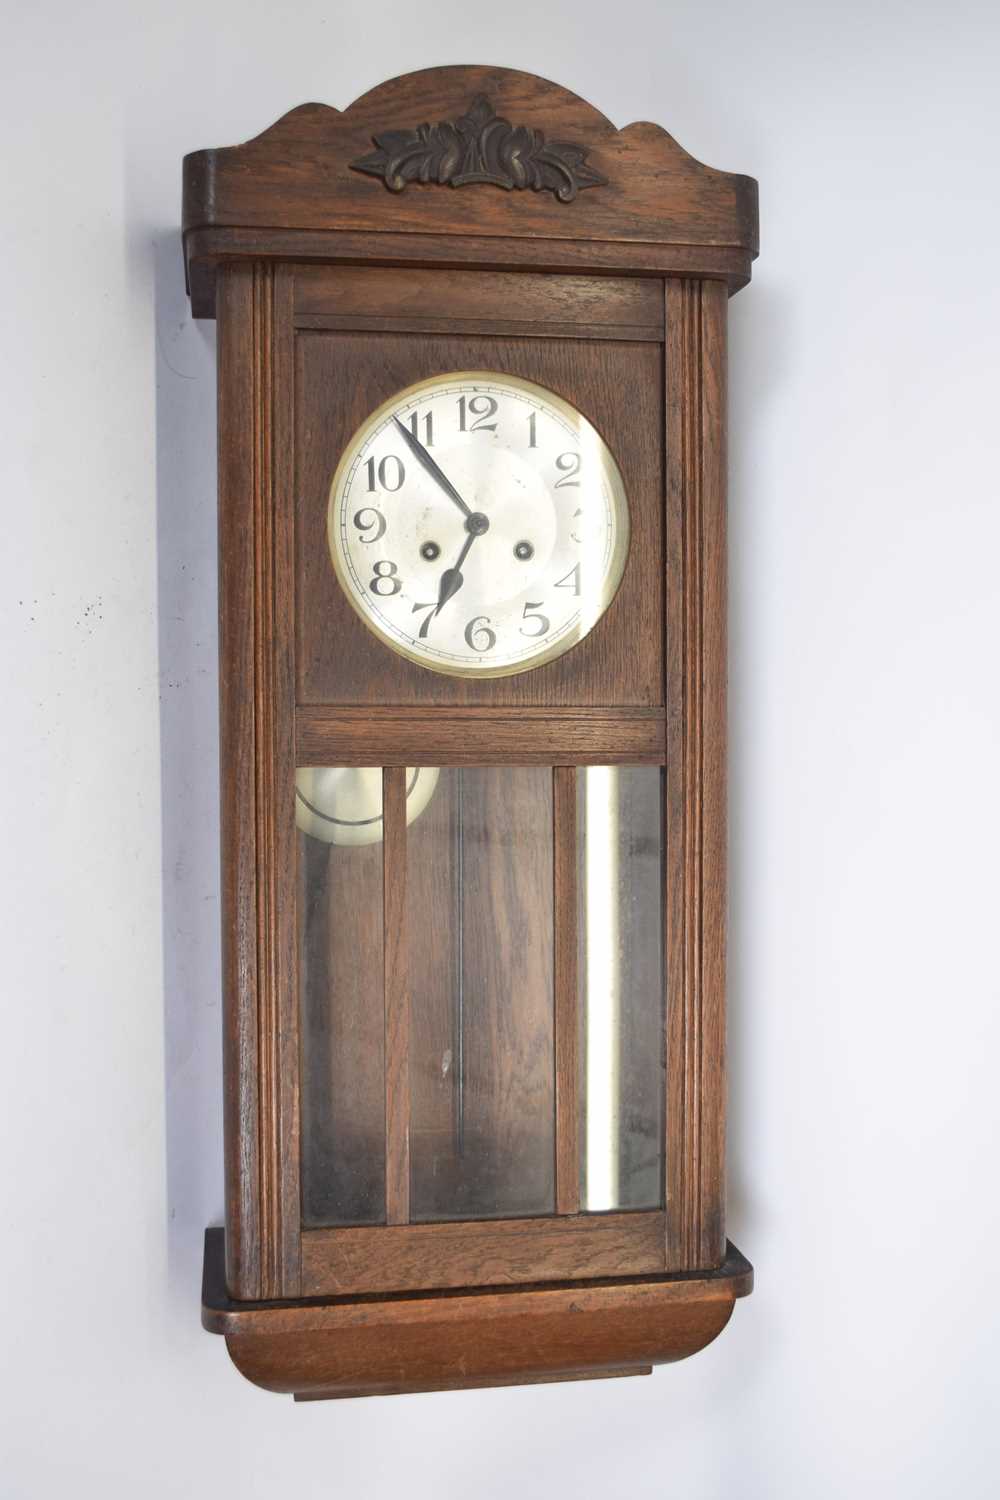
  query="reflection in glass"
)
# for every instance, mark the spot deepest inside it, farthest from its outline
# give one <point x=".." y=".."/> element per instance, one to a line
<point x="338" y="811"/>
<point x="343" y="804"/>
<point x="341" y="995"/>
<point x="479" y="923"/>
<point x="621" y="987"/>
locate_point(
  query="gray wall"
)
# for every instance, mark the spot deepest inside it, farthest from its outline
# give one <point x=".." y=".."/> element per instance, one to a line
<point x="865" y="540"/>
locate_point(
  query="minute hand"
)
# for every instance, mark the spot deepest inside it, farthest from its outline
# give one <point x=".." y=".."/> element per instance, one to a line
<point x="420" y="453"/>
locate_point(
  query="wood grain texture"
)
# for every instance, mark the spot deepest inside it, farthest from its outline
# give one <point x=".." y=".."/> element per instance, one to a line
<point x="495" y="1252"/>
<point x="480" y="146"/>
<point x="695" y="777"/>
<point x="296" y="178"/>
<point x="207" y="248"/>
<point x="257" y="739"/>
<point x="481" y="970"/>
<point x="277" y="657"/>
<point x="566" y="986"/>
<point x="506" y="912"/>
<point x="265" y="690"/>
<point x="477" y="736"/>
<point x="711" y="1228"/>
<point x="628" y="307"/>
<point x="241" y="1061"/>
<point x="341" y="378"/>
<point x="434" y="970"/>
<point x="412" y="1341"/>
<point x="349" y="1393"/>
<point x="501" y="327"/>
<point x="273" y="690"/>
<point x="342" y="999"/>
<point x="397" y="998"/>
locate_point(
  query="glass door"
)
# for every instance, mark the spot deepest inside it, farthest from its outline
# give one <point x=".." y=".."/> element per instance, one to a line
<point x="482" y="1019"/>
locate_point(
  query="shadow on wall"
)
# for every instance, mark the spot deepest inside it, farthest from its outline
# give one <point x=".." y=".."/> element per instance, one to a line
<point x="189" y="773"/>
<point x="758" y="338"/>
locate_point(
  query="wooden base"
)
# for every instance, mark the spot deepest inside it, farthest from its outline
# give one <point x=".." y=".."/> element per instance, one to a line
<point x="419" y="1341"/>
<point x="470" y="1385"/>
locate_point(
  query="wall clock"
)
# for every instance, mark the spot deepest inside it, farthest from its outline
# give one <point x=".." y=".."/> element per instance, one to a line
<point x="471" y="345"/>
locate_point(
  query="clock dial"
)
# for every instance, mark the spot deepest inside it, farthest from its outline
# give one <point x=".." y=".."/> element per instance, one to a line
<point x="478" y="524"/>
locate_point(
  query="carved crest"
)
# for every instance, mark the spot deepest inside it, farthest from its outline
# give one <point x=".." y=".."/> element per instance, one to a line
<point x="481" y="146"/>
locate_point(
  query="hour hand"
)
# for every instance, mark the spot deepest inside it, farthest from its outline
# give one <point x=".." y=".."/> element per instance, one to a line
<point x="451" y="578"/>
<point x="420" y="453"/>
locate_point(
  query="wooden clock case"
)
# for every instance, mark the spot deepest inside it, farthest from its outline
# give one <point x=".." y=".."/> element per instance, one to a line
<point x="465" y="218"/>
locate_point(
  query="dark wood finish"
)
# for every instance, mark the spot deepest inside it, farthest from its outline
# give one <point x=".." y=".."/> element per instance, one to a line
<point x="480" y="871"/>
<point x="710" y="1235"/>
<point x="240" y="1051"/>
<point x="474" y="736"/>
<point x="514" y="327"/>
<point x="341" y="378"/>
<point x="267" y="729"/>
<point x="276" y="651"/>
<point x="257" y="705"/>
<point x="479" y="867"/>
<point x="696" y="777"/>
<point x="434" y="959"/>
<point x="567" y="1027"/>
<point x="501" y="303"/>
<point x="481" y="1253"/>
<point x="500" y="1382"/>
<point x="296" y="179"/>
<point x="333" y="292"/>
<point x="342" y="1001"/>
<point x="479" y="146"/>
<point x="206" y="249"/>
<point x="397" y="999"/>
<point x="414" y="1341"/>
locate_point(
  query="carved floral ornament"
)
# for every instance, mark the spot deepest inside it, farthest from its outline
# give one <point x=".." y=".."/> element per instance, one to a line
<point x="481" y="146"/>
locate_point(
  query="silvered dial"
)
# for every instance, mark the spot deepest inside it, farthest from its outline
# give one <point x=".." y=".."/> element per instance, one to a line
<point x="478" y="524"/>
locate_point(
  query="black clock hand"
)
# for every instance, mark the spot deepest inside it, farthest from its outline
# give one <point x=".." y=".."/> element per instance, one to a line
<point x="423" y="457"/>
<point x="451" y="578"/>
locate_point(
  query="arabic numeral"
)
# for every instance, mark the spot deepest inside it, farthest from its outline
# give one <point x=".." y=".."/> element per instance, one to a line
<point x="480" y="408"/>
<point x="431" y="609"/>
<point x="414" y="421"/>
<point x="532" y="430"/>
<point x="569" y="465"/>
<point x="385" y="572"/>
<point x="542" y="620"/>
<point x="389" y="469"/>
<point x="376" y="524"/>
<point x="479" y="636"/>
<point x="571" y="580"/>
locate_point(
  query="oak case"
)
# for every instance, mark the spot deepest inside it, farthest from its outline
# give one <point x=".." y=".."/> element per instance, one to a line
<point x="332" y="293"/>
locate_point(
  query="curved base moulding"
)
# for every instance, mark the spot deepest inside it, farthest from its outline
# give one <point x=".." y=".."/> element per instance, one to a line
<point x="408" y="1342"/>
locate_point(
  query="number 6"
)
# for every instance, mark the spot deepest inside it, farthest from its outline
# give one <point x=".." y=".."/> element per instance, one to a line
<point x="480" y="626"/>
